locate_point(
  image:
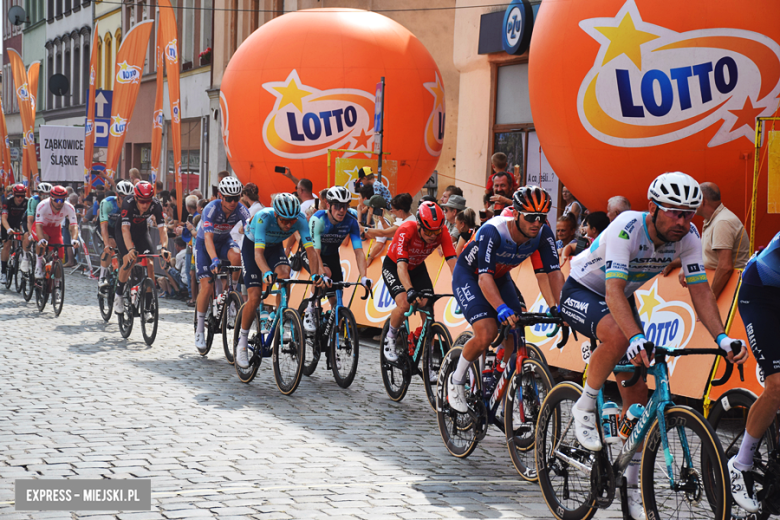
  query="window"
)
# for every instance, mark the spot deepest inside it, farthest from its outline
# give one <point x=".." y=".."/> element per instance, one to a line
<point x="67" y="6"/>
<point x="108" y="82"/>
<point x="187" y="42"/>
<point x="85" y="60"/>
<point x="49" y="72"/>
<point x="59" y="8"/>
<point x="100" y="67"/>
<point x="76" y="83"/>
<point x="206" y="21"/>
<point x="66" y="67"/>
<point x="254" y="16"/>
<point x="50" y="5"/>
<point x="512" y="116"/>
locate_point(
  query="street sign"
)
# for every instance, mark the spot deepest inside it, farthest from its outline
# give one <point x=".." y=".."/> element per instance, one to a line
<point x="103" y="104"/>
<point x="101" y="132"/>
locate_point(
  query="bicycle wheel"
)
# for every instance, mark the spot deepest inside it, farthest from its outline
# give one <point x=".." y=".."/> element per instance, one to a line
<point x="229" y="313"/>
<point x="126" y="318"/>
<point x="527" y="391"/>
<point x="41" y="293"/>
<point x="562" y="465"/>
<point x="728" y="417"/>
<point x="345" y="349"/>
<point x="396" y="375"/>
<point x="28" y="280"/>
<point x="459" y="431"/>
<point x="150" y="311"/>
<point x="246" y="375"/>
<point x="18" y="275"/>
<point x="10" y="271"/>
<point x="288" y="352"/>
<point x="462" y="338"/>
<point x="536" y="353"/>
<point x="436" y="347"/>
<point x="57" y="287"/>
<point x="701" y="484"/>
<point x="106" y="299"/>
<point x="312" y="350"/>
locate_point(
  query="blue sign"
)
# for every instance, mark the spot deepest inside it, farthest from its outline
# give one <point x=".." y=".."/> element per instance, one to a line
<point x="103" y="104"/>
<point x="518" y="23"/>
<point x="379" y="105"/>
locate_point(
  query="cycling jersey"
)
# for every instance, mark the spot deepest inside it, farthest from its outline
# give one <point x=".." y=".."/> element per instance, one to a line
<point x="47" y="217"/>
<point x="133" y="217"/>
<point x="624" y="250"/>
<point x="32" y="205"/>
<point x="215" y="222"/>
<point x="764" y="267"/>
<point x="328" y="236"/>
<point x="408" y="246"/>
<point x="494" y="251"/>
<point x="109" y="210"/>
<point x="264" y="230"/>
<point x="14" y="212"/>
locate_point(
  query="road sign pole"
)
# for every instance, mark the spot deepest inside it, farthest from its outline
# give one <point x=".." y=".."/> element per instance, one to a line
<point x="381" y="124"/>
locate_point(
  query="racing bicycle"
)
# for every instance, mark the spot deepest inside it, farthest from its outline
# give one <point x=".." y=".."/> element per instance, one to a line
<point x="106" y="294"/>
<point x="53" y="281"/>
<point x="222" y="311"/>
<point x="140" y="301"/>
<point x="13" y="273"/>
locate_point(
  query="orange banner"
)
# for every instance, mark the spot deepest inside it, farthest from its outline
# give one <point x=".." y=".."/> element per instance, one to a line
<point x="32" y="79"/>
<point x="171" y="52"/>
<point x="29" y="163"/>
<point x="89" y="124"/>
<point x="127" y="81"/>
<point x="6" y="172"/>
<point x="158" y="118"/>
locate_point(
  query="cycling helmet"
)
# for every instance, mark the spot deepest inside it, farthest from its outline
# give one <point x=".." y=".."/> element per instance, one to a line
<point x="430" y="216"/>
<point x="230" y="187"/>
<point x="143" y="191"/>
<point x="124" y="188"/>
<point x="286" y="205"/>
<point x="44" y="187"/>
<point x="58" y="192"/>
<point x="19" y="189"/>
<point x="675" y="188"/>
<point x="531" y="199"/>
<point x="338" y="194"/>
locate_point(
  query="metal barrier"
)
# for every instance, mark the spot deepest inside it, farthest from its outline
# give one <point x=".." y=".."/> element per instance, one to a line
<point x="93" y="240"/>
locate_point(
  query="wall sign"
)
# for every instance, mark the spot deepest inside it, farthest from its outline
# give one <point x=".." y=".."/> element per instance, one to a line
<point x="518" y="24"/>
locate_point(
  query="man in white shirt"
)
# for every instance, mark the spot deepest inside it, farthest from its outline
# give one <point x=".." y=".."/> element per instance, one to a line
<point x="250" y="199"/>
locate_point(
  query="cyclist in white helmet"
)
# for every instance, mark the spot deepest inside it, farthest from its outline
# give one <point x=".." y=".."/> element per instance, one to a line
<point x="108" y="215"/>
<point x="598" y="302"/>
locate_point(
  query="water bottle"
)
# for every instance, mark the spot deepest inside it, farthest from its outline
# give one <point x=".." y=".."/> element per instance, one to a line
<point x="412" y="340"/>
<point x="265" y="321"/>
<point x="609" y="422"/>
<point x="220" y="299"/>
<point x="134" y="294"/>
<point x="629" y="420"/>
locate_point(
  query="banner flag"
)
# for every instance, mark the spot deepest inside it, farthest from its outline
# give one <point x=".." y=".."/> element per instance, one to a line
<point x="29" y="162"/>
<point x="171" y="52"/>
<point x="89" y="124"/>
<point x="5" y="151"/>
<point x="33" y="72"/>
<point x="127" y="81"/>
<point x="158" y="118"/>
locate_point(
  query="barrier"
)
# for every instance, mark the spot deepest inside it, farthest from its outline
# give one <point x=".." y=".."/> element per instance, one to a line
<point x="93" y="240"/>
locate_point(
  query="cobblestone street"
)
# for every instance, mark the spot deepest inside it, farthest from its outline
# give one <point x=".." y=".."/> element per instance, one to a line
<point x="81" y="402"/>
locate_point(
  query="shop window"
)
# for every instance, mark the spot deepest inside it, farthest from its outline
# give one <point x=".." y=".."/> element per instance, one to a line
<point x="512" y="102"/>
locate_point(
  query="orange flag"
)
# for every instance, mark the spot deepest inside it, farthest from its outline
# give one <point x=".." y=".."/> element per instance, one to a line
<point x="158" y="118"/>
<point x="32" y="80"/>
<point x="29" y="164"/>
<point x="89" y="125"/>
<point x="127" y="81"/>
<point x="5" y="151"/>
<point x="171" y="52"/>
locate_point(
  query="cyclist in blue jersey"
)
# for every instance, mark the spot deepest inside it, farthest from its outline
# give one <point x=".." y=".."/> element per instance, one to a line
<point x="329" y="228"/>
<point x="262" y="256"/>
<point x="482" y="281"/>
<point x="759" y="306"/>
<point x="213" y="245"/>
<point x="108" y="217"/>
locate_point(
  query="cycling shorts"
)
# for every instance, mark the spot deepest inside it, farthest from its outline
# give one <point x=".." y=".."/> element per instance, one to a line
<point x="203" y="260"/>
<point x="760" y="311"/>
<point x="332" y="262"/>
<point x="53" y="234"/>
<point x="274" y="257"/>
<point x="141" y="240"/>
<point x="418" y="276"/>
<point x="475" y="307"/>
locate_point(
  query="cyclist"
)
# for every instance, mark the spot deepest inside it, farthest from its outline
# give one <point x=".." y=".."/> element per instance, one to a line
<point x="132" y="235"/>
<point x="597" y="299"/>
<point x="759" y="306"/>
<point x="108" y="217"/>
<point x="42" y="193"/>
<point x="262" y="255"/>
<point x="483" y="284"/>
<point x="329" y="228"/>
<point x="404" y="271"/>
<point x="213" y="244"/>
<point x="49" y="216"/>
<point x="14" y="210"/>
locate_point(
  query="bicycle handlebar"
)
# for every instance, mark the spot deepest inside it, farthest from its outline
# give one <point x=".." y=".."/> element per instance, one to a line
<point x="528" y="319"/>
<point x="126" y="267"/>
<point x="431" y="302"/>
<point x="661" y="353"/>
<point x="730" y="368"/>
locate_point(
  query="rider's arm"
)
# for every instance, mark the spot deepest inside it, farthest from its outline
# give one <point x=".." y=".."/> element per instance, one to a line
<point x="127" y="236"/>
<point x="302" y="226"/>
<point x="317" y="227"/>
<point x="381" y="233"/>
<point x="445" y="241"/>
<point x="315" y="265"/>
<point x="163" y="237"/>
<point x="403" y="273"/>
<point x="619" y="307"/>
<point x="104" y="233"/>
<point x="5" y="221"/>
<point x="208" y="239"/>
<point x="260" y="258"/>
<point x="158" y="216"/>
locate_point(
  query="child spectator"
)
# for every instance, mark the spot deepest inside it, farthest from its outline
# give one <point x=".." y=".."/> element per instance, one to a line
<point x="595" y="223"/>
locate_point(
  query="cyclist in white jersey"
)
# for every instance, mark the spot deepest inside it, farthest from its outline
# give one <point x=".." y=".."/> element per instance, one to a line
<point x="597" y="299"/>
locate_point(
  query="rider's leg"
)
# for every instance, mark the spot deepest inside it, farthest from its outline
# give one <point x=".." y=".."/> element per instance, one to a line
<point x="6" y="253"/>
<point x="485" y="331"/>
<point x="234" y="257"/>
<point x="602" y="362"/>
<point x="204" y="293"/>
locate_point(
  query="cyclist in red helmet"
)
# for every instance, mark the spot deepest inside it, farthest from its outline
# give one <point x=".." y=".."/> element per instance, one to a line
<point x="14" y="209"/>
<point x="132" y="235"/>
<point x="49" y="215"/>
<point x="404" y="271"/>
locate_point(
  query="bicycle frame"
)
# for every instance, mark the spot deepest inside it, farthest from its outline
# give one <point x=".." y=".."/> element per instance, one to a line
<point x="427" y="320"/>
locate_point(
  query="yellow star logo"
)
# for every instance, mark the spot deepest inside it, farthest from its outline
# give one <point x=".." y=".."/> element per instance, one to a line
<point x="625" y="39"/>
<point x="292" y="94"/>
<point x="436" y="88"/>
<point x="649" y="302"/>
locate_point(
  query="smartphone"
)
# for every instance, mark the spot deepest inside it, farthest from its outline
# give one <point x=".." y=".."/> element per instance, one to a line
<point x="482" y="213"/>
<point x="279" y="169"/>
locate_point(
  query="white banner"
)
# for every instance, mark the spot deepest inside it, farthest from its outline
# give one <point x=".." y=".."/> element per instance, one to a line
<point x="62" y="153"/>
<point x="540" y="173"/>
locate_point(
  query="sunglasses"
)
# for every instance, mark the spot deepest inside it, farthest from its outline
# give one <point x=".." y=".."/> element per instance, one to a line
<point x="431" y="232"/>
<point x="534" y="217"/>
<point x="18" y="196"/>
<point x="234" y="198"/>
<point x="58" y="201"/>
<point x="287" y="221"/>
<point x="338" y="206"/>
<point x="686" y="214"/>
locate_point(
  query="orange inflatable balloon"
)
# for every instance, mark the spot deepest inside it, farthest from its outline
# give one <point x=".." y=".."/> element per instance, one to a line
<point x="624" y="90"/>
<point x="306" y="82"/>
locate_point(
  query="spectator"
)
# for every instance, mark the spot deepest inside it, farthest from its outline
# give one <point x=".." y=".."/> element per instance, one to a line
<point x="449" y="190"/>
<point x="725" y="243"/>
<point x="380" y="223"/>
<point x="594" y="224"/>
<point x="455" y="204"/>
<point x="158" y="186"/>
<point x="135" y="176"/>
<point x="303" y="189"/>
<point x="197" y="193"/>
<point x="363" y="210"/>
<point x="565" y="231"/>
<point x="466" y="223"/>
<point x="502" y="194"/>
<point x="401" y="209"/>
<point x="366" y="177"/>
<point x="427" y="198"/>
<point x="173" y="285"/>
<point x="617" y="205"/>
<point x="499" y="164"/>
<point x="572" y="205"/>
<point x="324" y="200"/>
<point x="250" y="199"/>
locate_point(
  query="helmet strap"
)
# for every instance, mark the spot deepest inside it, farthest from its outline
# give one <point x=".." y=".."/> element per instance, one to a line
<point x="657" y="232"/>
<point x="517" y="225"/>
